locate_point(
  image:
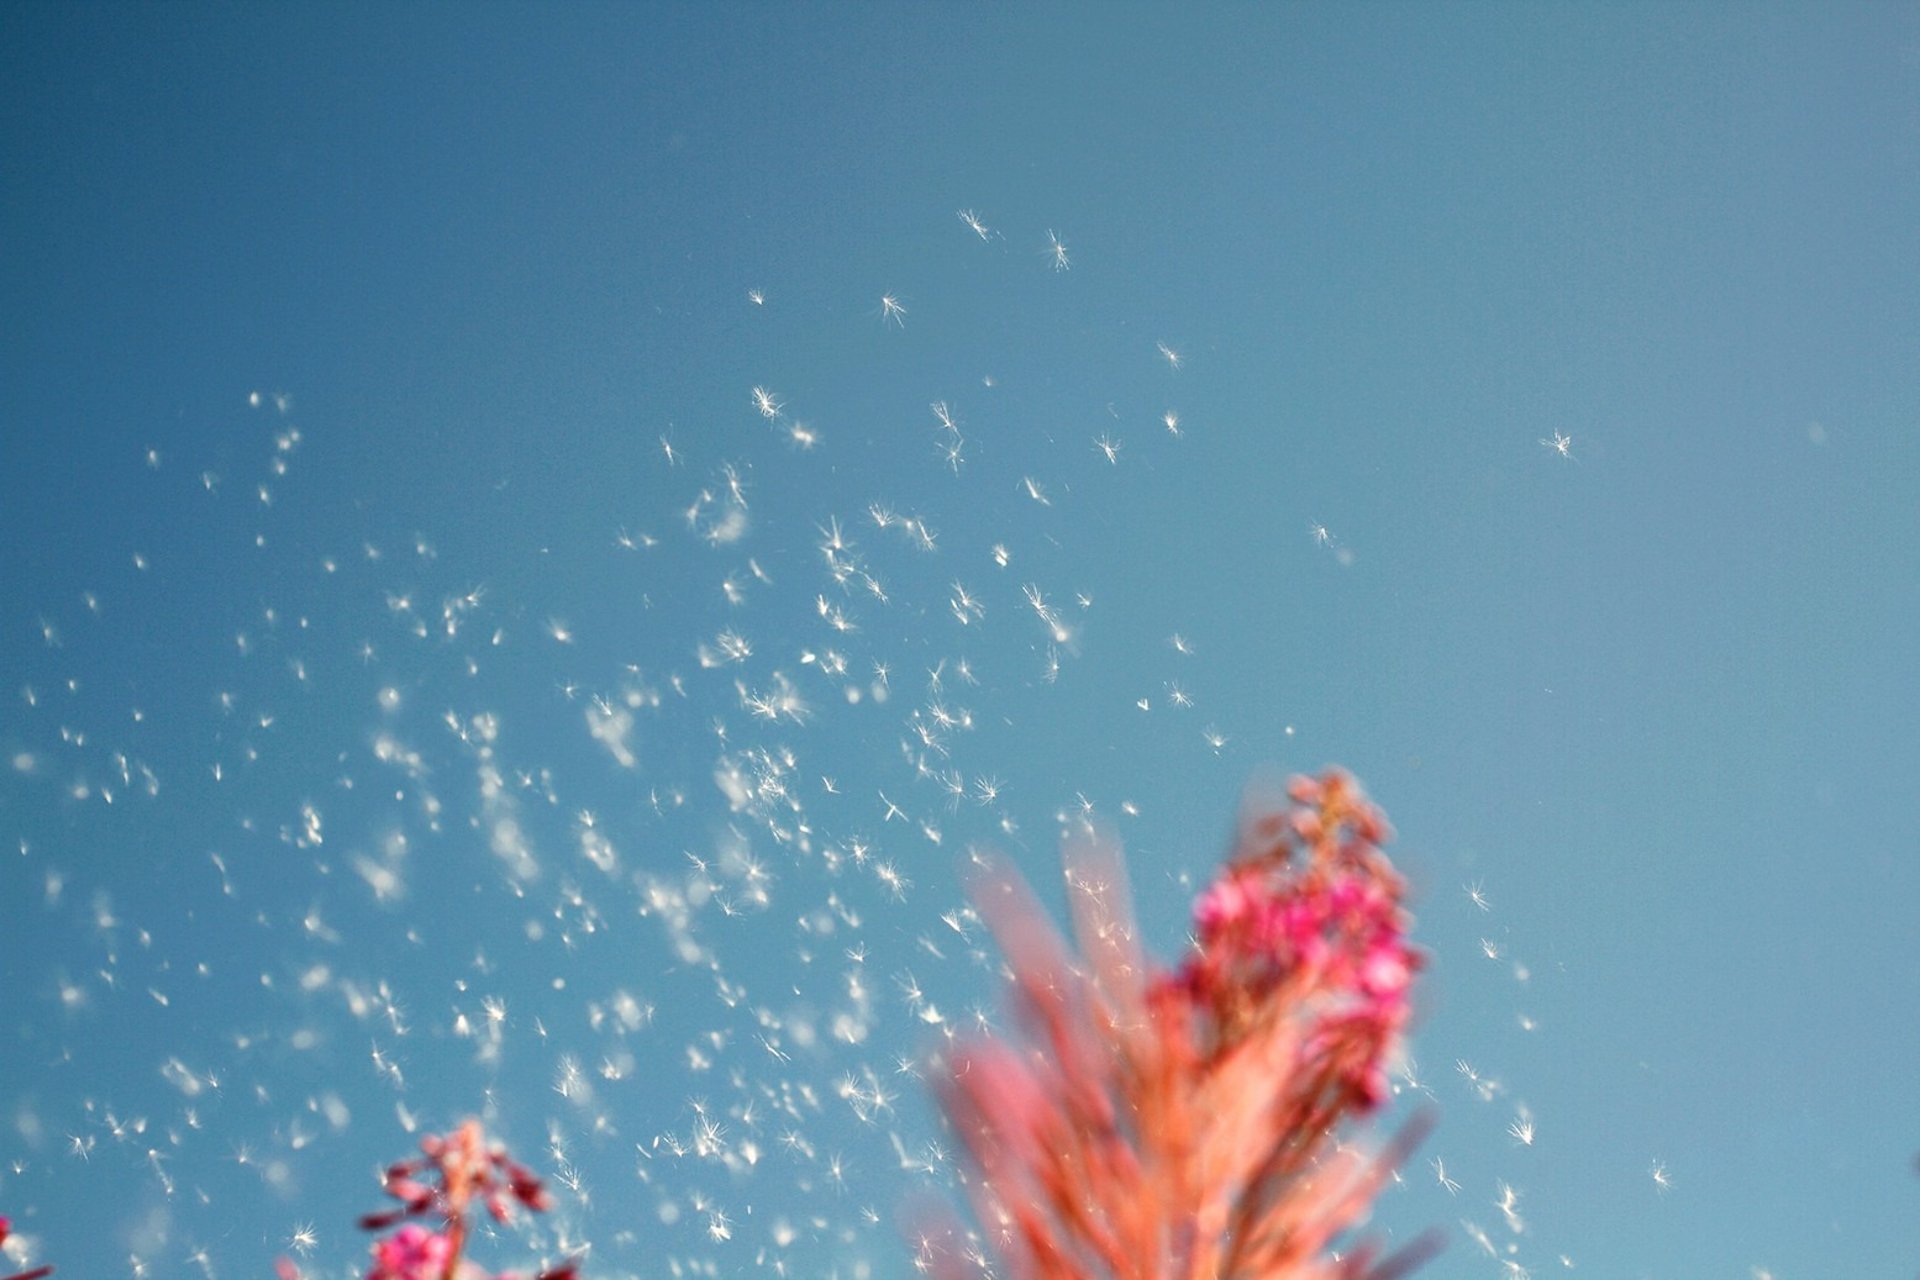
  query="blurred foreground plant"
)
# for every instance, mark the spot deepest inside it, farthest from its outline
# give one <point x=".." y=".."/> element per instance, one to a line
<point x="6" y="1229"/>
<point x="452" y="1173"/>
<point x="1182" y="1125"/>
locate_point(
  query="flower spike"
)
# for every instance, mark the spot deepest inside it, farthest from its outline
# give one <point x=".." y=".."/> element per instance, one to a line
<point x="1180" y="1124"/>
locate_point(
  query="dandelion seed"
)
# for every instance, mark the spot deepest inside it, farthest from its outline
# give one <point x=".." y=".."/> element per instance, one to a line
<point x="766" y="403"/>
<point x="1560" y="443"/>
<point x="1172" y="357"/>
<point x="1108" y="448"/>
<point x="893" y="311"/>
<point x="974" y="224"/>
<point x="1440" y="1172"/>
<point x="1060" y="632"/>
<point x="1521" y="1131"/>
<point x="1509" y="1205"/>
<point x="1057" y="253"/>
<point x="965" y="607"/>
<point x="1662" y="1180"/>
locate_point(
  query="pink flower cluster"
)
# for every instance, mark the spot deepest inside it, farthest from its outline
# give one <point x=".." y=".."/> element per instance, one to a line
<point x="412" y="1253"/>
<point x="1308" y="918"/>
<point x="1185" y="1124"/>
<point x="467" y="1168"/>
<point x="452" y="1173"/>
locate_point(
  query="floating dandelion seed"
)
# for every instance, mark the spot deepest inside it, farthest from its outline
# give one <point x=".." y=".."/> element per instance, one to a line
<point x="1508" y="1202"/>
<point x="1172" y="357"/>
<point x="893" y="311"/>
<point x="37" y="1272"/>
<point x="974" y="224"/>
<point x="1560" y="443"/>
<point x="1057" y="253"/>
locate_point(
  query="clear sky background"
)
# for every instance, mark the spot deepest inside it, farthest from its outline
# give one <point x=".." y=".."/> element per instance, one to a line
<point x="433" y="687"/>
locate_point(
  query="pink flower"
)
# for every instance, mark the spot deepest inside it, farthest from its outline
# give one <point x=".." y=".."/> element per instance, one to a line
<point x="453" y="1171"/>
<point x="1387" y="969"/>
<point x="1227" y="902"/>
<point x="411" y="1253"/>
<point x="1172" y="1125"/>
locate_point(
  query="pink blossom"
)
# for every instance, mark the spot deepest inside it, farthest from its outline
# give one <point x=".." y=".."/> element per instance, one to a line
<point x="1387" y="969"/>
<point x="1174" y="1125"/>
<point x="1226" y="902"/>
<point x="411" y="1253"/>
<point x="453" y="1171"/>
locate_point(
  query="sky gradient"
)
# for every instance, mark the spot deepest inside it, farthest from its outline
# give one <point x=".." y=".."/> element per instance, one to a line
<point x="437" y="684"/>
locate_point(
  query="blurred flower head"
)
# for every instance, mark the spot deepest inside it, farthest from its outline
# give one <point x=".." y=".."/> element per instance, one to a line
<point x="453" y="1172"/>
<point x="1184" y="1122"/>
<point x="411" y="1253"/>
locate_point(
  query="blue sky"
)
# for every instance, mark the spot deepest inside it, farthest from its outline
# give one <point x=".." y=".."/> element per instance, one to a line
<point x="409" y="612"/>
